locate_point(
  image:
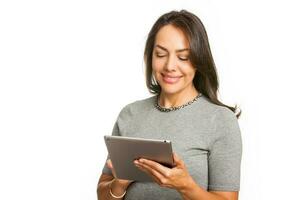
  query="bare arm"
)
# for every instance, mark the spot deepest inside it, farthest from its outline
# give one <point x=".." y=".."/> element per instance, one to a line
<point x="108" y="184"/>
<point x="194" y="192"/>
<point x="178" y="178"/>
<point x="117" y="187"/>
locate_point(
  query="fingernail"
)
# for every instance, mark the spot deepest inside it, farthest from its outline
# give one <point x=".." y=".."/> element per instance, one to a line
<point x="137" y="165"/>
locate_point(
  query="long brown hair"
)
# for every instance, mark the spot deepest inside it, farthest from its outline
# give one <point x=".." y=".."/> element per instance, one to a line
<point x="206" y="78"/>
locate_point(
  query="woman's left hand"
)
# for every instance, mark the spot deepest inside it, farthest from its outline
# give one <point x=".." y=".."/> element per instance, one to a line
<point x="176" y="178"/>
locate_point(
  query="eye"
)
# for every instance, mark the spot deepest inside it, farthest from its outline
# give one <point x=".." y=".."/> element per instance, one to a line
<point x="160" y="55"/>
<point x="183" y="58"/>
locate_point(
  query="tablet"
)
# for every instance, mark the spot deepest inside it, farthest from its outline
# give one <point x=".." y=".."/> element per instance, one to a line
<point x="124" y="150"/>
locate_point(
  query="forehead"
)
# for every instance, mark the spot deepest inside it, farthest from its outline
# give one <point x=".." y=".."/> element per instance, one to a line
<point x="172" y="38"/>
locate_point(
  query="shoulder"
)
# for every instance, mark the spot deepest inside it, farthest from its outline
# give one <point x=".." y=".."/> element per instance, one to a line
<point x="225" y="129"/>
<point x="211" y="110"/>
<point x="218" y="116"/>
<point x="223" y="115"/>
<point x="138" y="106"/>
<point x="225" y="124"/>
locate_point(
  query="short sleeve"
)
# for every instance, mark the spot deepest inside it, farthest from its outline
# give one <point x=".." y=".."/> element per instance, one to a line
<point x="225" y="152"/>
<point x="116" y="132"/>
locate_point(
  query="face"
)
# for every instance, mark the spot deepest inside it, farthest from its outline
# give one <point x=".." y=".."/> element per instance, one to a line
<point x="171" y="66"/>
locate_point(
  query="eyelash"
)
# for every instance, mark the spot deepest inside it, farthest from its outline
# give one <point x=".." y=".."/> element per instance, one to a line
<point x="179" y="57"/>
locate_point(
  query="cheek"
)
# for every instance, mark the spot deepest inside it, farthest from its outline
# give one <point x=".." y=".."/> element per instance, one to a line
<point x="158" y="64"/>
<point x="156" y="69"/>
<point x="190" y="74"/>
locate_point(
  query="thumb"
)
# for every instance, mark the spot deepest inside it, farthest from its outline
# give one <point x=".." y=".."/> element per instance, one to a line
<point x="109" y="164"/>
<point x="111" y="167"/>
<point x="177" y="160"/>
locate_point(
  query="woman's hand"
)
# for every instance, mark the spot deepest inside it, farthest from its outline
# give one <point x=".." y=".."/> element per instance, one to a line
<point x="177" y="177"/>
<point x="121" y="181"/>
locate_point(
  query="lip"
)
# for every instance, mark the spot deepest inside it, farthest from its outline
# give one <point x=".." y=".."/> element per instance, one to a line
<point x="170" y="79"/>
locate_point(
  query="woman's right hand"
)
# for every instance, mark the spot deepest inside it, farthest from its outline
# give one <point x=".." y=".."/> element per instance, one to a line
<point x="121" y="181"/>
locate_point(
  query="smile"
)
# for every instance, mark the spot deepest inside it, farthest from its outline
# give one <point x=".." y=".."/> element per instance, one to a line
<point x="171" y="79"/>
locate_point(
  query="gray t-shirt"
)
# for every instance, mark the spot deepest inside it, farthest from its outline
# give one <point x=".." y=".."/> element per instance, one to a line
<point x="204" y="135"/>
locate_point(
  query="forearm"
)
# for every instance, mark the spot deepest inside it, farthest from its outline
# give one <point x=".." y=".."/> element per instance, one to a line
<point x="193" y="191"/>
<point x="103" y="190"/>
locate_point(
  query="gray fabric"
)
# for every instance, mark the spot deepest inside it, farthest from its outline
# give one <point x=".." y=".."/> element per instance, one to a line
<point x="206" y="136"/>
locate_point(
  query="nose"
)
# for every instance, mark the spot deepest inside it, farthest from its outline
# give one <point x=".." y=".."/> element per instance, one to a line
<point x="171" y="63"/>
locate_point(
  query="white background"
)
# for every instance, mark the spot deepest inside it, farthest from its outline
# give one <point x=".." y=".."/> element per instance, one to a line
<point x="68" y="67"/>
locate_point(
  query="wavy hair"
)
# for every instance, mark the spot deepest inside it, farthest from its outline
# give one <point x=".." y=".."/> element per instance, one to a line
<point x="206" y="78"/>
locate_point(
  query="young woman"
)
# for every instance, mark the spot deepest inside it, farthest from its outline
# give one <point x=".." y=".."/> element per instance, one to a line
<point x="205" y="134"/>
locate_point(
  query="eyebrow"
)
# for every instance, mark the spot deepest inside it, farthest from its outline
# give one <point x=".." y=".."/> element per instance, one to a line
<point x="178" y="50"/>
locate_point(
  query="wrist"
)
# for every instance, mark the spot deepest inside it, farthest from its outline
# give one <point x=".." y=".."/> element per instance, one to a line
<point x="116" y="190"/>
<point x="122" y="183"/>
<point x="187" y="186"/>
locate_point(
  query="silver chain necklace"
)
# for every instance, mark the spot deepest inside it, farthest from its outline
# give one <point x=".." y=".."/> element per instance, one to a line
<point x="162" y="109"/>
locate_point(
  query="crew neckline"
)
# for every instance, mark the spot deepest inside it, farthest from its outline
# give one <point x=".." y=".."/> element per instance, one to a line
<point x="175" y="108"/>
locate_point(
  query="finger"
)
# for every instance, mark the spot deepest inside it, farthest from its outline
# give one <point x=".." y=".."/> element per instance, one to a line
<point x="159" y="178"/>
<point x="177" y="160"/>
<point x="155" y="165"/>
<point x="153" y="171"/>
<point x="148" y="172"/>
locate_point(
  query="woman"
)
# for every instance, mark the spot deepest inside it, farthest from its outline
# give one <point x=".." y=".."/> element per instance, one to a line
<point x="204" y="132"/>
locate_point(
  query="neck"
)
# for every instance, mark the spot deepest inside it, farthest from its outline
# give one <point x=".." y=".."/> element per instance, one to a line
<point x="168" y="100"/>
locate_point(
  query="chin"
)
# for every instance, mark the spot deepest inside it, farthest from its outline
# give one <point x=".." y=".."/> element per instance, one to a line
<point x="170" y="90"/>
